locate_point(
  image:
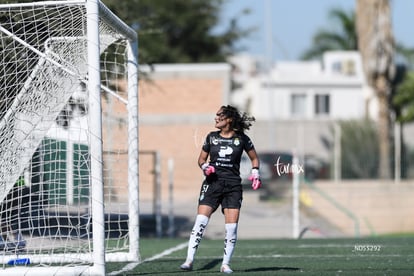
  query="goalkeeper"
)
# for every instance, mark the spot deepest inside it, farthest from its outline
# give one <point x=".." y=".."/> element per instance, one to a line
<point x="222" y="183"/>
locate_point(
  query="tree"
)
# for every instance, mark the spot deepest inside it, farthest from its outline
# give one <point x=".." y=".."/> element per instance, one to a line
<point x="404" y="99"/>
<point x="179" y="31"/>
<point x="172" y="31"/>
<point x="342" y="38"/>
<point x="376" y="45"/>
<point x="359" y="149"/>
<point x="346" y="37"/>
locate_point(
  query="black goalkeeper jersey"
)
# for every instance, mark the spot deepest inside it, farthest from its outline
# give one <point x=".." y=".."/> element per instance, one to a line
<point x="225" y="153"/>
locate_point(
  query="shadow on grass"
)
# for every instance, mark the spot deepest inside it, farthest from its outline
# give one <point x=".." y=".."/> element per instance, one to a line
<point x="275" y="268"/>
<point x="211" y="264"/>
<point x="209" y="268"/>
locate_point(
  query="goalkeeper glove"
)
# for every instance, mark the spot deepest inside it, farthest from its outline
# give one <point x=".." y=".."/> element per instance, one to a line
<point x="255" y="179"/>
<point x="208" y="169"/>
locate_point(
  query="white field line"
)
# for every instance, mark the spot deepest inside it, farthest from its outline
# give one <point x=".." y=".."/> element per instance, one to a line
<point x="166" y="252"/>
<point x="359" y="255"/>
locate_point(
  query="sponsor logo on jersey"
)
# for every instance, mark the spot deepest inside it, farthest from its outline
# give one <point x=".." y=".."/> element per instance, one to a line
<point x="215" y="141"/>
<point x="225" y="151"/>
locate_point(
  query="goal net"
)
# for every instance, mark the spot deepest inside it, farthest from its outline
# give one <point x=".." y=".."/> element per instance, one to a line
<point x="68" y="139"/>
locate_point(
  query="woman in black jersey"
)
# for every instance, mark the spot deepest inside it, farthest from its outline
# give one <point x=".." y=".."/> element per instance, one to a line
<point x="222" y="183"/>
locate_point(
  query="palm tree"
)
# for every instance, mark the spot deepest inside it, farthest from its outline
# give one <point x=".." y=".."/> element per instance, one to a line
<point x="345" y="38"/>
<point x="377" y="48"/>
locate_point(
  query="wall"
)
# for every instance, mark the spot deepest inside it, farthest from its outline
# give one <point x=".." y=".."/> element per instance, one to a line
<point x="176" y="111"/>
<point x="379" y="207"/>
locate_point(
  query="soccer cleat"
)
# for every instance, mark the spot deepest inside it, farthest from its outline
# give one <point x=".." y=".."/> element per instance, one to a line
<point x="187" y="266"/>
<point x="226" y="269"/>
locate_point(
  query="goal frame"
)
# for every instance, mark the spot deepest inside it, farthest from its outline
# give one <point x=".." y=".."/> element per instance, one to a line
<point x="95" y="9"/>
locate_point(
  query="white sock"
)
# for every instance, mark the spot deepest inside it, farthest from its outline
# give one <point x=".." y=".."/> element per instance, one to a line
<point x="196" y="236"/>
<point x="229" y="242"/>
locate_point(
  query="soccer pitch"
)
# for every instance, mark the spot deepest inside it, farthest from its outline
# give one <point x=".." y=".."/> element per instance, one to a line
<point x="364" y="256"/>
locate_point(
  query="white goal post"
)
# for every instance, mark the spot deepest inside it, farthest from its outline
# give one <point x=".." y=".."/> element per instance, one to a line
<point x="68" y="139"/>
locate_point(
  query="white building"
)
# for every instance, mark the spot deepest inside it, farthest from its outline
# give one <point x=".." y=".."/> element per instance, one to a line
<point x="333" y="89"/>
<point x="297" y="103"/>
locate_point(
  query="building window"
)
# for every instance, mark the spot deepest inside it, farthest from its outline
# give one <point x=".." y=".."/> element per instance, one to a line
<point x="344" y="67"/>
<point x="349" y="67"/>
<point x="322" y="104"/>
<point x="336" y="67"/>
<point x="298" y="105"/>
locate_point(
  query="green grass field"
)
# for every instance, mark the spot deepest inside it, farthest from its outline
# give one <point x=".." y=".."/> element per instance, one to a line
<point x="391" y="255"/>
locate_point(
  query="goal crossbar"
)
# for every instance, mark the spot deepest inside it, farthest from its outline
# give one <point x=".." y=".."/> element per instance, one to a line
<point x="104" y="13"/>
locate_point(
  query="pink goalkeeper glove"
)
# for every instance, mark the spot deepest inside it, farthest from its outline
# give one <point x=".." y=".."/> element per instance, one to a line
<point x="255" y="179"/>
<point x="208" y="169"/>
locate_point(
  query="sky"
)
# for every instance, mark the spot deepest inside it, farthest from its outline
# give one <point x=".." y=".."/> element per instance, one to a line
<point x="294" y="22"/>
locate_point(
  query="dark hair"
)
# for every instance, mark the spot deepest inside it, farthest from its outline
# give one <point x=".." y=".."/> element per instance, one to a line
<point x="240" y="121"/>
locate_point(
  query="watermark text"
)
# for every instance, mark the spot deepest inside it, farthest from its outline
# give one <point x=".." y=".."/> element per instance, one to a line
<point x="361" y="248"/>
<point x="282" y="168"/>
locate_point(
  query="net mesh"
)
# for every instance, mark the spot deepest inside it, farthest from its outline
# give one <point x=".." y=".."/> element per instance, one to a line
<point x="45" y="134"/>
